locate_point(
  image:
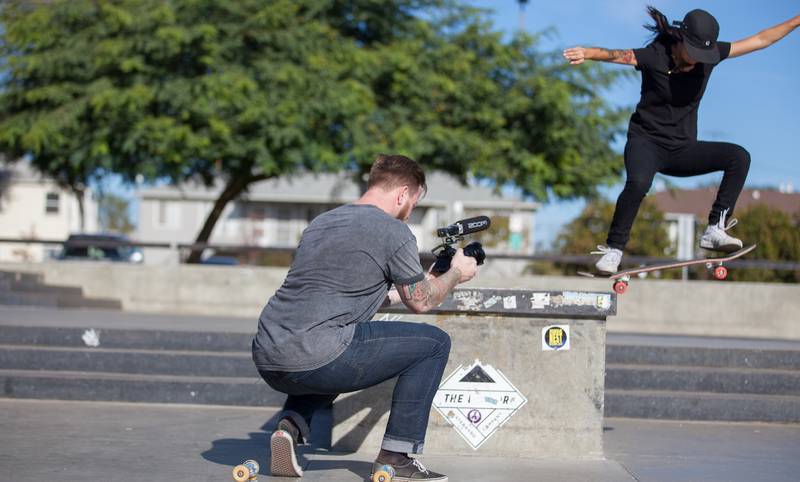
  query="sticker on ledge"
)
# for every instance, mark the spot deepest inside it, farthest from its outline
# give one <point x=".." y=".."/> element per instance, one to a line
<point x="477" y="400"/>
<point x="604" y="302"/>
<point x="510" y="302"/>
<point x="491" y="301"/>
<point x="539" y="300"/>
<point x="468" y="300"/>
<point x="555" y="337"/>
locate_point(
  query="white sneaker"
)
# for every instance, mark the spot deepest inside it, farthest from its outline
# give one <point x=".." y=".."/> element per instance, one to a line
<point x="283" y="461"/>
<point x="716" y="239"/>
<point x="609" y="263"/>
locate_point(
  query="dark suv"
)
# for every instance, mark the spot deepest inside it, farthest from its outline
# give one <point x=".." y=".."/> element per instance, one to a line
<point x="100" y="247"/>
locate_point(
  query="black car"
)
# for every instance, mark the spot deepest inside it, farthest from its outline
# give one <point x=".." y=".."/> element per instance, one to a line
<point x="100" y="247"/>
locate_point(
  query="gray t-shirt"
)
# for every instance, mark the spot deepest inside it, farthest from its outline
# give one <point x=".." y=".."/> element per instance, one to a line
<point x="343" y="268"/>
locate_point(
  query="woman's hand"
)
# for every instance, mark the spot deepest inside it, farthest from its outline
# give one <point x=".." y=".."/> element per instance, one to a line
<point x="575" y="55"/>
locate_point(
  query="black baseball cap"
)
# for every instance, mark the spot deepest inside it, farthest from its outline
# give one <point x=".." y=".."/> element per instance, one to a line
<point x="700" y="30"/>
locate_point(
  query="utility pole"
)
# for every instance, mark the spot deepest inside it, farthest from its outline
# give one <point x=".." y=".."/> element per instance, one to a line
<point x="522" y="4"/>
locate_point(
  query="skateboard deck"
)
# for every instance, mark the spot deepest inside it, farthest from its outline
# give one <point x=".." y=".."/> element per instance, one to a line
<point x="621" y="278"/>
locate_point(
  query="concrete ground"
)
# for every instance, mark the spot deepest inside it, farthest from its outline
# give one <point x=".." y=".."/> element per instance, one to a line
<point x="125" y="442"/>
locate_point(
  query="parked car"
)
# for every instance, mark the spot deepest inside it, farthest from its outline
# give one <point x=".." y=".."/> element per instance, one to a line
<point x="221" y="260"/>
<point x="100" y="247"/>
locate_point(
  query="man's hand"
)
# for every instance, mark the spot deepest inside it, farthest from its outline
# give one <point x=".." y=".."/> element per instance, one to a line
<point x="430" y="292"/>
<point x="467" y="266"/>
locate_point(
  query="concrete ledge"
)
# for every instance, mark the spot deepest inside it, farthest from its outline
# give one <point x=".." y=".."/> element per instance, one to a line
<point x="700" y="308"/>
<point x="564" y="388"/>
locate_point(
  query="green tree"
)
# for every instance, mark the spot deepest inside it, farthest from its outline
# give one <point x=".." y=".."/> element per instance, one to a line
<point x="778" y="236"/>
<point x="232" y="93"/>
<point x="113" y="212"/>
<point x="582" y="235"/>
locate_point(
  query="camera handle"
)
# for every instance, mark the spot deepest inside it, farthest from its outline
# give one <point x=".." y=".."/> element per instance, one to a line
<point x="444" y="255"/>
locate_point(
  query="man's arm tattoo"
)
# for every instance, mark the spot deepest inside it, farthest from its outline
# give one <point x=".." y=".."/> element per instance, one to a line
<point x="427" y="294"/>
<point x="421" y="291"/>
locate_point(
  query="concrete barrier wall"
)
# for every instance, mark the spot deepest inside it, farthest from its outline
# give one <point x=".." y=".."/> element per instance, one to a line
<point x="718" y="308"/>
<point x="563" y="416"/>
<point x="505" y="392"/>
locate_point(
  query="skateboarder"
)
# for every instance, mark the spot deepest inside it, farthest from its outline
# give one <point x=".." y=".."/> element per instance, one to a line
<point x="662" y="135"/>
<point x="315" y="339"/>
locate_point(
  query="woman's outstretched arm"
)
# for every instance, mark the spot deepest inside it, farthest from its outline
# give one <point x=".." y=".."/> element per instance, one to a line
<point x="576" y="55"/>
<point x="764" y="38"/>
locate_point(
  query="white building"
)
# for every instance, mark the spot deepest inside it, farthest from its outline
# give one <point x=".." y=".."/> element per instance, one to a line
<point x="275" y="212"/>
<point x="34" y="207"/>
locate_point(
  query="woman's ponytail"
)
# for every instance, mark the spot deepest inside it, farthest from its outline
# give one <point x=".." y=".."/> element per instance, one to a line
<point x="662" y="29"/>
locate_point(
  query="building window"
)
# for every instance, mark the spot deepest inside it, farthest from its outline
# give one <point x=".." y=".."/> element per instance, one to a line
<point x="284" y="231"/>
<point x="167" y="214"/>
<point x="162" y="213"/>
<point x="52" y="203"/>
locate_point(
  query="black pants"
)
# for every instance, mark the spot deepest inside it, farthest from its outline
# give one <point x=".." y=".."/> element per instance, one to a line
<point x="643" y="159"/>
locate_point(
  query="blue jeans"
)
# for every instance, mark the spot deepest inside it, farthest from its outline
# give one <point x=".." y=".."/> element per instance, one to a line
<point x="415" y="353"/>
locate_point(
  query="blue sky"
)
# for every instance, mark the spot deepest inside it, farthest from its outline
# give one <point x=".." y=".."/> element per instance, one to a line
<point x="751" y="100"/>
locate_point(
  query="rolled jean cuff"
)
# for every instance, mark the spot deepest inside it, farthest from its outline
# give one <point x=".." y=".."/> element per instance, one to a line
<point x="299" y="422"/>
<point x="402" y="446"/>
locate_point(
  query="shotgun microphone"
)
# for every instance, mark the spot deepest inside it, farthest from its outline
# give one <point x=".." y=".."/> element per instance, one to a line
<point x="465" y="226"/>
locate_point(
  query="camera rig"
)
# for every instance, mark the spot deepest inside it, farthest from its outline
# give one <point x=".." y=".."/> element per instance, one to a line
<point x="455" y="233"/>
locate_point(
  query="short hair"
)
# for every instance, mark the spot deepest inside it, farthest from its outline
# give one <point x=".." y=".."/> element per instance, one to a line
<point x="391" y="171"/>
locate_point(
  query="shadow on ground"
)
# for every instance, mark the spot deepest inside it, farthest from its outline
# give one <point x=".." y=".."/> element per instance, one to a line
<point x="232" y="451"/>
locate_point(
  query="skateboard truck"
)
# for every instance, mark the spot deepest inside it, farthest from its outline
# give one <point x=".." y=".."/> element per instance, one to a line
<point x="248" y="470"/>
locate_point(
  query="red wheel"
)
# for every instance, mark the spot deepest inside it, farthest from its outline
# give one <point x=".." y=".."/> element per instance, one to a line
<point x="620" y="287"/>
<point x="720" y="272"/>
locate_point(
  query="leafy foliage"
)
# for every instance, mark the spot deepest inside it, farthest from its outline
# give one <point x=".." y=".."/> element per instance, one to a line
<point x="231" y="93"/>
<point x="582" y="235"/>
<point x="778" y="237"/>
<point x="114" y="215"/>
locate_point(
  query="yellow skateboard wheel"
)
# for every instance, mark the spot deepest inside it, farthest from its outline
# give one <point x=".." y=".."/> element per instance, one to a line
<point x="248" y="470"/>
<point x="241" y="473"/>
<point x="384" y="474"/>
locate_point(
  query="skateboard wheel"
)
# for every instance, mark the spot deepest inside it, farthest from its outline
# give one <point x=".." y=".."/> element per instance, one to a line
<point x="241" y="473"/>
<point x="720" y="272"/>
<point x="620" y="287"/>
<point x="254" y="468"/>
<point x="384" y="474"/>
<point x="247" y="470"/>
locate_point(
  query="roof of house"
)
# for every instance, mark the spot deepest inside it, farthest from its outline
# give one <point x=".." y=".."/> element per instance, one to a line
<point x="21" y="171"/>
<point x="327" y="188"/>
<point x="699" y="201"/>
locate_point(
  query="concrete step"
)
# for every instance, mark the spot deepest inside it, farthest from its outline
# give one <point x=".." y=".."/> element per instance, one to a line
<point x="8" y="297"/>
<point x="46" y="336"/>
<point x="673" y="405"/>
<point x="703" y="379"/>
<point x="700" y="356"/>
<point x="157" y="362"/>
<point x="21" y="278"/>
<point x="75" y="385"/>
<point x="55" y="299"/>
<point x="66" y="291"/>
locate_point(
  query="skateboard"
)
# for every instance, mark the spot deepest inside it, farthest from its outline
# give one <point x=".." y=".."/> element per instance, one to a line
<point x="384" y="474"/>
<point x="248" y="470"/>
<point x="715" y="265"/>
